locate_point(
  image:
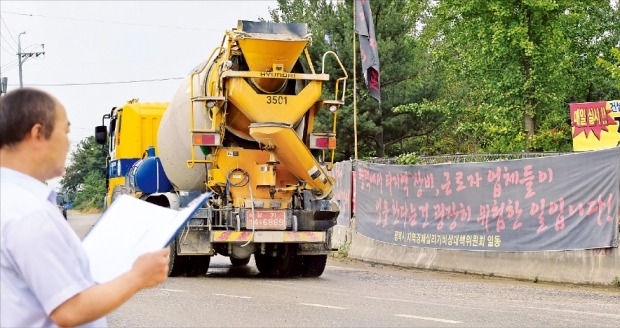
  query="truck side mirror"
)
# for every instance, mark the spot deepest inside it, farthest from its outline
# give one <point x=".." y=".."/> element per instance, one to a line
<point x="101" y="134"/>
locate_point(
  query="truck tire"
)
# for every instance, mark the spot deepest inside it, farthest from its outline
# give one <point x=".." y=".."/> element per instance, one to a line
<point x="286" y="264"/>
<point x="264" y="263"/>
<point x="313" y="265"/>
<point x="197" y="265"/>
<point x="239" y="262"/>
<point x="176" y="263"/>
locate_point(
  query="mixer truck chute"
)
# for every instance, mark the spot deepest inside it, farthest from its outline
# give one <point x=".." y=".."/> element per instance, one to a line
<point x="242" y="125"/>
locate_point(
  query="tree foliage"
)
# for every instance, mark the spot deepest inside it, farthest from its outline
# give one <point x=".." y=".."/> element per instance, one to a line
<point x="84" y="178"/>
<point x="469" y="76"/>
<point x="518" y="63"/>
<point x="92" y="193"/>
<point x="381" y="130"/>
<point x="612" y="66"/>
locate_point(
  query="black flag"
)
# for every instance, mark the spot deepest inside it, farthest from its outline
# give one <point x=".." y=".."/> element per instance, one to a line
<point x="368" y="47"/>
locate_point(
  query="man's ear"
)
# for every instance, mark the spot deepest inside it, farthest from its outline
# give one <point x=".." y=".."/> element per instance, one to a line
<point x="36" y="132"/>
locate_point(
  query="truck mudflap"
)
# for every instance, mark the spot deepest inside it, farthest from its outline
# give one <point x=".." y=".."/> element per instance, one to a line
<point x="269" y="236"/>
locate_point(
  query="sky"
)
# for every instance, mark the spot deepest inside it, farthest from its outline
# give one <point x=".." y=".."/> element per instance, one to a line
<point x="100" y="54"/>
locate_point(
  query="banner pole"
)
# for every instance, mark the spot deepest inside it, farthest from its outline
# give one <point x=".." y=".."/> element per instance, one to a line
<point x="354" y="87"/>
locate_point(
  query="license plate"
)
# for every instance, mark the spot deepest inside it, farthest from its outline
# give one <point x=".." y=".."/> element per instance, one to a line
<point x="263" y="220"/>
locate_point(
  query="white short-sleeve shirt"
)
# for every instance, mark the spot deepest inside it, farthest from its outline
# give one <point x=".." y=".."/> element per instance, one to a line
<point x="42" y="261"/>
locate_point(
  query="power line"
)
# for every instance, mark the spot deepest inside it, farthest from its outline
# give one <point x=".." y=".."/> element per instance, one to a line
<point x="8" y="43"/>
<point x="33" y="46"/>
<point x="112" y="22"/>
<point x="8" y="30"/>
<point x="12" y="62"/>
<point x="10" y="66"/>
<point x="7" y="50"/>
<point x="98" y="83"/>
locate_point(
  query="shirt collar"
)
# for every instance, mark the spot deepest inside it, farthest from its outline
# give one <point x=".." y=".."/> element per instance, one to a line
<point x="38" y="188"/>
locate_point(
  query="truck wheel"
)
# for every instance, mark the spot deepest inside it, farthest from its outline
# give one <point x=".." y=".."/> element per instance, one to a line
<point x="286" y="264"/>
<point x="239" y="262"/>
<point x="176" y="263"/>
<point x="197" y="265"/>
<point x="64" y="213"/>
<point x="264" y="263"/>
<point x="313" y="265"/>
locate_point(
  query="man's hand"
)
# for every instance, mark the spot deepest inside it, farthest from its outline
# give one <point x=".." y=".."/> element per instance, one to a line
<point x="148" y="270"/>
<point x="152" y="268"/>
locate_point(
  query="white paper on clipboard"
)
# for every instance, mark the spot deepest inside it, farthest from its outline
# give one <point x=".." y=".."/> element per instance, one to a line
<point x="129" y="228"/>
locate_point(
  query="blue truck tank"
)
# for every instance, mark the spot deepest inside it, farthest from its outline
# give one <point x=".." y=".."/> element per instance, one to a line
<point x="147" y="175"/>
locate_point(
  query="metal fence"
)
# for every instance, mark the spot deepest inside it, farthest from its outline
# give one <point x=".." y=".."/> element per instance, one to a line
<point x="466" y="158"/>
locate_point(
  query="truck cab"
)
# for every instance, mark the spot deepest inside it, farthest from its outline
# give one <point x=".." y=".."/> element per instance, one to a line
<point x="132" y="130"/>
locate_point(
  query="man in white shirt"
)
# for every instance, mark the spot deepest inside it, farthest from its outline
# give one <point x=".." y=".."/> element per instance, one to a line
<point x="44" y="271"/>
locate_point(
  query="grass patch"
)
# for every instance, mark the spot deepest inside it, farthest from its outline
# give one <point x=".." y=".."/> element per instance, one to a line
<point x="343" y="251"/>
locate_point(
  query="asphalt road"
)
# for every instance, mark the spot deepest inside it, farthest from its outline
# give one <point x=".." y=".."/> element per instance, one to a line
<point x="358" y="294"/>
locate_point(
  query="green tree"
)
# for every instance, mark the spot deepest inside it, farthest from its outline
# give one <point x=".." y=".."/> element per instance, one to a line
<point x="612" y="67"/>
<point x="85" y="174"/>
<point x="381" y="130"/>
<point x="92" y="193"/>
<point x="511" y="67"/>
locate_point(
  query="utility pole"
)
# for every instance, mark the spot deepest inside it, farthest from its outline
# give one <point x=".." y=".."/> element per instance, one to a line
<point x="25" y="55"/>
<point x="3" y="85"/>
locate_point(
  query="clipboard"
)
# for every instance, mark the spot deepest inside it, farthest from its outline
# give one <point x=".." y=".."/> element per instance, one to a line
<point x="129" y="228"/>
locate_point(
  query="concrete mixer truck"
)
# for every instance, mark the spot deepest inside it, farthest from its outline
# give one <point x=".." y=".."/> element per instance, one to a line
<point x="242" y="124"/>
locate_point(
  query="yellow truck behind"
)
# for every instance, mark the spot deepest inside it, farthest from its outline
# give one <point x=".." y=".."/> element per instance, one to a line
<point x="132" y="130"/>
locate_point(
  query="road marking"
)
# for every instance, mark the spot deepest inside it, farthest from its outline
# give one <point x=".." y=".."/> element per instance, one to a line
<point x="569" y="311"/>
<point x="305" y="287"/>
<point x="172" y="290"/>
<point x="427" y="318"/>
<point x="411" y="301"/>
<point x="324" y="306"/>
<point x="417" y="302"/>
<point x="233" y="296"/>
<point x="505" y="309"/>
<point x="343" y="268"/>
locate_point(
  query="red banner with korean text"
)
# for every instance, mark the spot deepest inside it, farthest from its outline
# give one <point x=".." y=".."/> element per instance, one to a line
<point x="561" y="202"/>
<point x="595" y="125"/>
